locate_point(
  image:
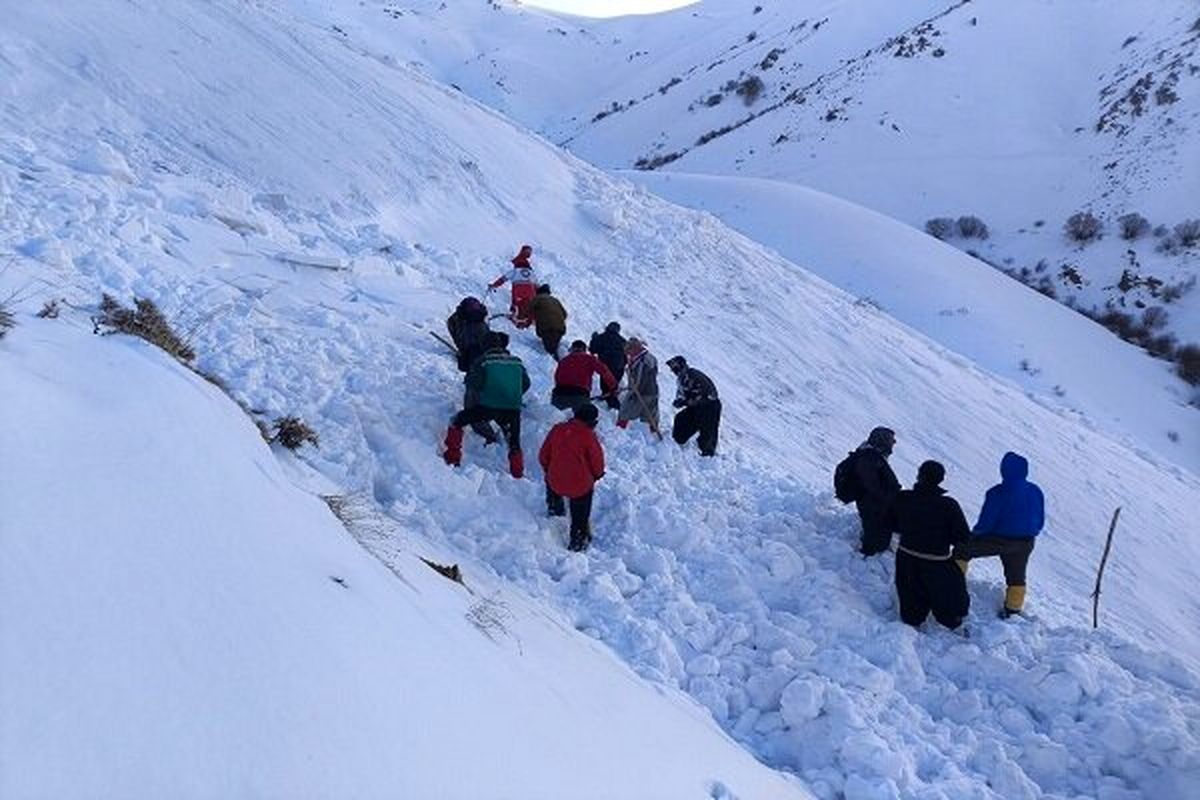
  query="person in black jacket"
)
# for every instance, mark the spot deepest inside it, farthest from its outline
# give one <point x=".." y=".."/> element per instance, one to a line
<point x="930" y="524"/>
<point x="700" y="406"/>
<point x="609" y="347"/>
<point x="470" y="333"/>
<point x="877" y="486"/>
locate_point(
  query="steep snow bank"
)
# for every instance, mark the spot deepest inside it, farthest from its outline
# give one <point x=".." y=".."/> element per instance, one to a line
<point x="179" y="620"/>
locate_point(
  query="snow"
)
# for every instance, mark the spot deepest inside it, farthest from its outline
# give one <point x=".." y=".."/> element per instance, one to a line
<point x="249" y="133"/>
<point x="180" y="620"/>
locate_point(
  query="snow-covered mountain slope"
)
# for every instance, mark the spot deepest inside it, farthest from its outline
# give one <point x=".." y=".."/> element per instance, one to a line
<point x="224" y="159"/>
<point x="180" y="620"/>
<point x="949" y="296"/>
<point x="1023" y="165"/>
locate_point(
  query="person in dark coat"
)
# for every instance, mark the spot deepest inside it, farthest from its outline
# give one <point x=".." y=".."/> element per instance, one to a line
<point x="499" y="380"/>
<point x="574" y="375"/>
<point x="468" y="329"/>
<point x="609" y="347"/>
<point x="877" y="486"/>
<point x="1013" y="514"/>
<point x="700" y="407"/>
<point x="549" y="319"/>
<point x="930" y="525"/>
<point x="573" y="460"/>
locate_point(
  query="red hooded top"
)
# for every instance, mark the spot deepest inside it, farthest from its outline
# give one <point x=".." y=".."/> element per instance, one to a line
<point x="576" y="370"/>
<point x="572" y="458"/>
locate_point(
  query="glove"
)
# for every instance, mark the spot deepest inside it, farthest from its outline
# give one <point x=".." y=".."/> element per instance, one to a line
<point x="679" y="404"/>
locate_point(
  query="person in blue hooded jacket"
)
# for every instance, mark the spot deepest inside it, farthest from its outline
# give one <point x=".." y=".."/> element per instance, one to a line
<point x="1012" y="516"/>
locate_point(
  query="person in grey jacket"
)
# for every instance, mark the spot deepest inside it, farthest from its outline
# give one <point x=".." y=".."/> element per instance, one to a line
<point x="640" y="400"/>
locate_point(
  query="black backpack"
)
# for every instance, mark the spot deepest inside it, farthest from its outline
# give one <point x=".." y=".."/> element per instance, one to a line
<point x="846" y="486"/>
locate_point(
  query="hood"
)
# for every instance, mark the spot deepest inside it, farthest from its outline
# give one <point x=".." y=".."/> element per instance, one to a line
<point x="1013" y="467"/>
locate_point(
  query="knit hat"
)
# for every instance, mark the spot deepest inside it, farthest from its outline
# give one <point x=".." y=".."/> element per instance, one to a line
<point x="579" y="346"/>
<point x="497" y="340"/>
<point x="587" y="414"/>
<point x="677" y="363"/>
<point x="544" y="289"/>
<point x="931" y="473"/>
<point x="613" y="327"/>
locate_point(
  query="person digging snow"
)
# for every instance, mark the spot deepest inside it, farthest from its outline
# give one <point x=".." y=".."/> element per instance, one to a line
<point x="609" y="347"/>
<point x="640" y="400"/>
<point x="573" y="460"/>
<point x="876" y="487"/>
<point x="549" y="318"/>
<point x="700" y="407"/>
<point x="499" y="380"/>
<point x="523" y="286"/>
<point x="1013" y="514"/>
<point x="573" y="378"/>
<point x="469" y="331"/>
<point x="930" y="524"/>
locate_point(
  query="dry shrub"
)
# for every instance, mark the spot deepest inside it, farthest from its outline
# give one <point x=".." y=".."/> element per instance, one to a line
<point x="144" y="321"/>
<point x="293" y="432"/>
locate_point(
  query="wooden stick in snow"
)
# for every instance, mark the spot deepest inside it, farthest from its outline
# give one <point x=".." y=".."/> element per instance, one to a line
<point x="1100" y="572"/>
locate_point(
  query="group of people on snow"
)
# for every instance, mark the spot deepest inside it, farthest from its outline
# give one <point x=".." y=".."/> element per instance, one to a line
<point x="571" y="456"/>
<point x="936" y="544"/>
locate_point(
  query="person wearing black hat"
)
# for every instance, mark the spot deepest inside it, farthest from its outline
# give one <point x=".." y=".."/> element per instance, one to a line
<point x="609" y="347"/>
<point x="877" y="485"/>
<point x="700" y="407"/>
<point x="930" y="524"/>
<point x="573" y="460"/>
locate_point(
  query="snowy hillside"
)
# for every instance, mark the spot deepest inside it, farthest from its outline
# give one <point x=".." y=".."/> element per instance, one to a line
<point x="1032" y="163"/>
<point x="179" y="620"/>
<point x="308" y="209"/>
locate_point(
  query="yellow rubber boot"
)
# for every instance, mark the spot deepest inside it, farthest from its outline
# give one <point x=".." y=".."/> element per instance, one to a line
<point x="1014" y="600"/>
<point x="963" y="564"/>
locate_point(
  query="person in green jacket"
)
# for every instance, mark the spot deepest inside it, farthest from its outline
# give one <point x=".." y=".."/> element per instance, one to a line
<point x="499" y="380"/>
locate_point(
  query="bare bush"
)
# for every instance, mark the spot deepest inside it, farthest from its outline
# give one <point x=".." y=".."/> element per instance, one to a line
<point x="972" y="227"/>
<point x="1187" y="363"/>
<point x="1133" y="226"/>
<point x="144" y="321"/>
<point x="1188" y="233"/>
<point x="1083" y="227"/>
<point x="1174" y="291"/>
<point x="7" y="321"/>
<point x="750" y="89"/>
<point x="293" y="433"/>
<point x="940" y="227"/>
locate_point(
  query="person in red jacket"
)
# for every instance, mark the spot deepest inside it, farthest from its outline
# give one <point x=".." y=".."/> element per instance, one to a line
<point x="573" y="378"/>
<point x="573" y="461"/>
<point x="524" y="287"/>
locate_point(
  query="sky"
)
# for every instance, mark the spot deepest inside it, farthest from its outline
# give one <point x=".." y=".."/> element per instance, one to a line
<point x="608" y="8"/>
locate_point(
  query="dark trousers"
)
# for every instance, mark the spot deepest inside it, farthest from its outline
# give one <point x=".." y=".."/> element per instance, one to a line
<point x="1014" y="554"/>
<point x="876" y="538"/>
<point x="923" y="586"/>
<point x="581" y="514"/>
<point x="569" y="397"/>
<point x="483" y="427"/>
<point x="551" y="340"/>
<point x="703" y="418"/>
<point x="509" y="421"/>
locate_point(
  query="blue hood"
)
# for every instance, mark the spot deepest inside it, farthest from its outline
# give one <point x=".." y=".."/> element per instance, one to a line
<point x="1013" y="467"/>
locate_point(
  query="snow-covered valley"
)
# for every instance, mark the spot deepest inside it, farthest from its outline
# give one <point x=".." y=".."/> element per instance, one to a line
<point x="308" y="209"/>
